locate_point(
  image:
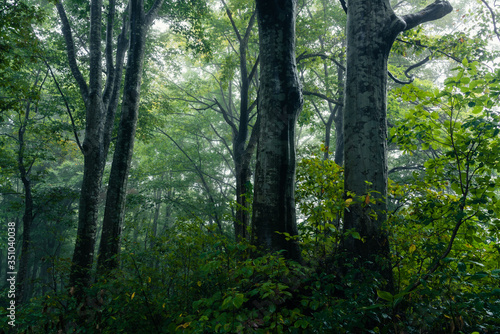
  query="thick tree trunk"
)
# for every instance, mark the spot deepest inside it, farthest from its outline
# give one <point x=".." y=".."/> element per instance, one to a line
<point x="117" y="186"/>
<point x="280" y="102"/>
<point x="372" y="28"/>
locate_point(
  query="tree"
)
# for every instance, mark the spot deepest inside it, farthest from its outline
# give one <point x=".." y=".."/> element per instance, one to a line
<point x="372" y="27"/>
<point x="280" y="102"/>
<point x="114" y="211"/>
<point x="243" y="151"/>
<point x="100" y="113"/>
<point x="321" y="49"/>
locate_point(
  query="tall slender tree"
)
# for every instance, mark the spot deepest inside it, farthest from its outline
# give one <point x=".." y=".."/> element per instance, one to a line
<point x="114" y="211"/>
<point x="242" y="147"/>
<point x="280" y="102"/>
<point x="100" y="105"/>
<point x="372" y="27"/>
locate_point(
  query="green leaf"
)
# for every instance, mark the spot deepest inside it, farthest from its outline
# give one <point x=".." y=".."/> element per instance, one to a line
<point x="385" y="295"/>
<point x="479" y="275"/>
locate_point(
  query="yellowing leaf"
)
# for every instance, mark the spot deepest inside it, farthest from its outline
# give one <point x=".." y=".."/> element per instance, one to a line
<point x="412" y="248"/>
<point x="149" y="279"/>
<point x="367" y="199"/>
<point x="199" y="283"/>
<point x="133" y="295"/>
<point x="185" y="325"/>
<point x="348" y="201"/>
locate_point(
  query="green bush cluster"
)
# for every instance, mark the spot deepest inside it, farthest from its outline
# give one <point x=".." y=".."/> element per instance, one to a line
<point x="200" y="282"/>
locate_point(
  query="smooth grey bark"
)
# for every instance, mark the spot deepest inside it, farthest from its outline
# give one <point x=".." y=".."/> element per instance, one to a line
<point x="114" y="211"/>
<point x="372" y="27"/>
<point x="280" y="102"/>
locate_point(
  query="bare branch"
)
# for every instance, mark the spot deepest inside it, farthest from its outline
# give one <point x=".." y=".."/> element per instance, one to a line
<point x="230" y="16"/>
<point x="254" y="69"/>
<point x="68" y="109"/>
<point x="322" y="96"/>
<point x="344" y="6"/>
<point x="226" y="118"/>
<point x="70" y="50"/>
<point x="427" y="47"/>
<point x="434" y="11"/>
<point x="493" y="19"/>
<point x="152" y="14"/>
<point x="319" y="55"/>
<point x="249" y="27"/>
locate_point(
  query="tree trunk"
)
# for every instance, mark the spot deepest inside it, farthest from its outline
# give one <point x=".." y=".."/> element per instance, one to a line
<point x="101" y="108"/>
<point x="339" y="120"/>
<point x="117" y="186"/>
<point x="280" y="102"/>
<point x="22" y="293"/>
<point x="372" y="28"/>
<point x="242" y="151"/>
<point x="94" y="159"/>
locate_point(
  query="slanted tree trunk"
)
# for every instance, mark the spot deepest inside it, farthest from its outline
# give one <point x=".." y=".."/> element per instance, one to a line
<point x="372" y="27"/>
<point x="280" y="102"/>
<point x="117" y="187"/>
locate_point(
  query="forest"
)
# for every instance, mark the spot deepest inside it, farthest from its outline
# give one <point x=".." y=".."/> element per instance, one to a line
<point x="241" y="166"/>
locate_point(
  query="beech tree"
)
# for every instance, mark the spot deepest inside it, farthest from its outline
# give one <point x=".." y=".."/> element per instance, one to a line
<point x="114" y="211"/>
<point x="101" y="102"/>
<point x="242" y="147"/>
<point x="280" y="102"/>
<point x="372" y="27"/>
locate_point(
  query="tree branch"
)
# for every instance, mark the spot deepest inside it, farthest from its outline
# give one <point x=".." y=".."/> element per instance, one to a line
<point x="322" y="96"/>
<point x="230" y="16"/>
<point x="319" y="55"/>
<point x="344" y="6"/>
<point x="249" y="27"/>
<point x="226" y="118"/>
<point x="68" y="109"/>
<point x="493" y="19"/>
<point x="110" y="69"/>
<point x="200" y="174"/>
<point x="434" y="11"/>
<point x="254" y="69"/>
<point x="70" y="50"/>
<point x="152" y="13"/>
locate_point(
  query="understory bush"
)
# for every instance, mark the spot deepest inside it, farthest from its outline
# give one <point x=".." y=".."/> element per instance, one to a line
<point x="204" y="283"/>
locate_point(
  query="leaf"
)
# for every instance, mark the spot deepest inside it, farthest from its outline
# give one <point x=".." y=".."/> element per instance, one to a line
<point x="479" y="275"/>
<point x="412" y="248"/>
<point x="367" y="199"/>
<point x="132" y="297"/>
<point x="385" y="295"/>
